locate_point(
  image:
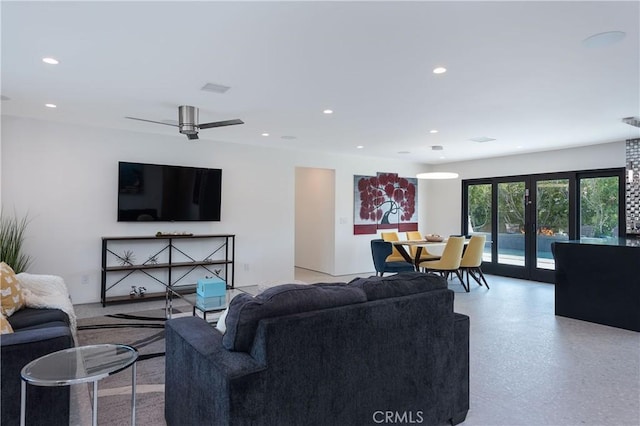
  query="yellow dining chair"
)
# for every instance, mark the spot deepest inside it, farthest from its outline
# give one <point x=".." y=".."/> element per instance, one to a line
<point x="425" y="255"/>
<point x="449" y="261"/>
<point x="472" y="259"/>
<point x="395" y="255"/>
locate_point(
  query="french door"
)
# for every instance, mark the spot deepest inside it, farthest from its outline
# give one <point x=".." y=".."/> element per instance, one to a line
<point x="523" y="216"/>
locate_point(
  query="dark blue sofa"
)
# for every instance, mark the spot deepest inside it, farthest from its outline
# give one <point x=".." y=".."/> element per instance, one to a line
<point x="37" y="332"/>
<point x="325" y="354"/>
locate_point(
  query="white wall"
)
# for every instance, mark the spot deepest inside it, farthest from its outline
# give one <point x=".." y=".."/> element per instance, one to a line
<point x="65" y="178"/>
<point x="315" y="219"/>
<point x="443" y="216"/>
<point x="353" y="252"/>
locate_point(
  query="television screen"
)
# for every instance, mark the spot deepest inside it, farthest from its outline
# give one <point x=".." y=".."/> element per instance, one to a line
<point x="153" y="192"/>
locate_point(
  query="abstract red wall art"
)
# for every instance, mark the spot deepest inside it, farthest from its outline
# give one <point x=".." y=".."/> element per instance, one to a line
<point x="384" y="201"/>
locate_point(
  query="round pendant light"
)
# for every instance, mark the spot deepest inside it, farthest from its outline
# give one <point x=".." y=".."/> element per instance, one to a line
<point x="437" y="175"/>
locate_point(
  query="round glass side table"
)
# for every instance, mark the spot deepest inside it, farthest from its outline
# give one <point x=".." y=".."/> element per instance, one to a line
<point x="82" y="364"/>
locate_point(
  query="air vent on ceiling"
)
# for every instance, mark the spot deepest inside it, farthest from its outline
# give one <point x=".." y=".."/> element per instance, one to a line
<point x="482" y="139"/>
<point x="632" y="121"/>
<point x="215" y="88"/>
<point x="437" y="147"/>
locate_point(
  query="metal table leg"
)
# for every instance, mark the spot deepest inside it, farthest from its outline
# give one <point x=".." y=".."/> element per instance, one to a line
<point x="23" y="402"/>
<point x="94" y="421"/>
<point x="133" y="394"/>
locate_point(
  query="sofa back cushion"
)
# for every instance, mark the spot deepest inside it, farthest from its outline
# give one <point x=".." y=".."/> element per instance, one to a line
<point x="402" y="284"/>
<point x="246" y="311"/>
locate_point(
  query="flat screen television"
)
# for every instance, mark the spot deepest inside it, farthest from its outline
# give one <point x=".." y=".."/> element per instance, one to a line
<point x="162" y="193"/>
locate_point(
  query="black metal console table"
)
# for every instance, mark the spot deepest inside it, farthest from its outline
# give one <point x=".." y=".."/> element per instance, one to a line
<point x="221" y="254"/>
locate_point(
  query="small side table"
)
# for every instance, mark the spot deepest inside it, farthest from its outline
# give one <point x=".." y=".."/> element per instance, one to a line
<point x="206" y="311"/>
<point x="82" y="364"/>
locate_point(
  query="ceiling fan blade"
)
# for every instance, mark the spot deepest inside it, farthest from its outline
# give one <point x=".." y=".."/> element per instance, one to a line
<point x="192" y="136"/>
<point x="151" y="121"/>
<point x="220" y="123"/>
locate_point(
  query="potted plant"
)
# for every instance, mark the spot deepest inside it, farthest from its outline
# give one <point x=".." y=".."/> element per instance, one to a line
<point x="12" y="233"/>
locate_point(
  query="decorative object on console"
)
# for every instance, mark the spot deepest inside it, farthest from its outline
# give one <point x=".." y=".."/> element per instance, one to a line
<point x="127" y="258"/>
<point x="384" y="201"/>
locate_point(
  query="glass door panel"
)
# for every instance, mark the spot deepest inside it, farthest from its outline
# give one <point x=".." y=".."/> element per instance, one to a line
<point x="523" y="216"/>
<point x="511" y="223"/>
<point x="552" y="218"/>
<point x="599" y="201"/>
<point x="480" y="213"/>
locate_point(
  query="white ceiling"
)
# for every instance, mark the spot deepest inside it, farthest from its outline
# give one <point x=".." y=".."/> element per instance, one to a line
<point x="517" y="72"/>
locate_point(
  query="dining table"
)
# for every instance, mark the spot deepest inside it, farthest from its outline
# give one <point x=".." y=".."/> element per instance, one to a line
<point x="419" y="244"/>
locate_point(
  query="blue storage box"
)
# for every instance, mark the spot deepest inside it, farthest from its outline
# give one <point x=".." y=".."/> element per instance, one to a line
<point x="209" y="287"/>
<point x="209" y="303"/>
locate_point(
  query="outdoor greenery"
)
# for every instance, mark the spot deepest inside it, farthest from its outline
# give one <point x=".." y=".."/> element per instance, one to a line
<point x="479" y="204"/>
<point x="598" y="207"/>
<point x="12" y="233"/>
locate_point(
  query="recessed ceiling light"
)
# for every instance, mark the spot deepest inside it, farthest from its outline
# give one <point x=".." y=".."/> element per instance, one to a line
<point x="442" y="157"/>
<point x="265" y="134"/>
<point x="328" y="111"/>
<point x="50" y="61"/>
<point x="433" y="131"/>
<point x="51" y="105"/>
<point x="603" y="39"/>
<point x="439" y="70"/>
<point x="360" y="146"/>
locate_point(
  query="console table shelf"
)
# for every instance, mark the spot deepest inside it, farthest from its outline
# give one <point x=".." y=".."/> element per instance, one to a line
<point x="176" y="262"/>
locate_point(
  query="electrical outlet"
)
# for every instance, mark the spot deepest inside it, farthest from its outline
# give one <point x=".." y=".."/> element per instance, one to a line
<point x="84" y="280"/>
<point x="245" y="266"/>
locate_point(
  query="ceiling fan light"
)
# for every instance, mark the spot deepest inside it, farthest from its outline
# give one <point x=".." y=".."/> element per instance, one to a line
<point x="437" y="175"/>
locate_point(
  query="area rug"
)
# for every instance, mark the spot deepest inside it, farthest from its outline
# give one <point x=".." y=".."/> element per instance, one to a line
<point x="145" y="332"/>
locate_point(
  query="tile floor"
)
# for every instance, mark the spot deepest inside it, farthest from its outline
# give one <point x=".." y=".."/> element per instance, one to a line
<point x="528" y="367"/>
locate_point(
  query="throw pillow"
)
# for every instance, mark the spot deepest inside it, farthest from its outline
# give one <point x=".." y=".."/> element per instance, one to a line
<point x="5" y="327"/>
<point x="12" y="298"/>
<point x="221" y="324"/>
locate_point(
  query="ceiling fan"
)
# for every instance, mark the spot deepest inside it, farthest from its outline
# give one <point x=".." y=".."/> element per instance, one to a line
<point x="188" y="122"/>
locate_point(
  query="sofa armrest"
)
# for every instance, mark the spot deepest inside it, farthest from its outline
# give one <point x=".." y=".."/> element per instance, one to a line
<point x="201" y="376"/>
<point x="461" y="370"/>
<point x="20" y="348"/>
